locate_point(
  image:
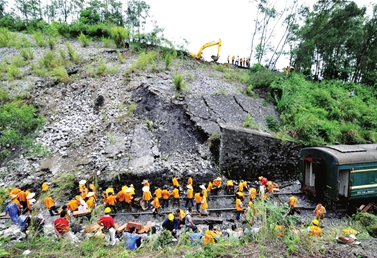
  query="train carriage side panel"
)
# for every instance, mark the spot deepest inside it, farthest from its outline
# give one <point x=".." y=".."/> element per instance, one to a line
<point x="363" y="181"/>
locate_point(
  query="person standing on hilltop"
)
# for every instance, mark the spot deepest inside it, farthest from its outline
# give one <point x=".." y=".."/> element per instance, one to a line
<point x="237" y="60"/>
<point x="233" y="58"/>
<point x="227" y="59"/>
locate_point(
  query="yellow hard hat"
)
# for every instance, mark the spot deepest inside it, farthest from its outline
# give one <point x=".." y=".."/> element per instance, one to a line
<point x="315" y="222"/>
<point x="259" y="178"/>
<point x="107" y="210"/>
<point x="250" y="203"/>
<point x="171" y="216"/>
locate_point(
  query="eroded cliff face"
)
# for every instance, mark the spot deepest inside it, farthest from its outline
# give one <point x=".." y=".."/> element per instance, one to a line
<point x="93" y="132"/>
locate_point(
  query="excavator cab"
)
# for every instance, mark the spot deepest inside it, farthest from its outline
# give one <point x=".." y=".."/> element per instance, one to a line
<point x="213" y="43"/>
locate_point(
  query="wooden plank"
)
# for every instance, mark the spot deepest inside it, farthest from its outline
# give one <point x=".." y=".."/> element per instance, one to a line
<point x="82" y="213"/>
<point x="92" y="228"/>
<point x="121" y="228"/>
<point x="368" y="207"/>
<point x="146" y="228"/>
<point x="131" y="224"/>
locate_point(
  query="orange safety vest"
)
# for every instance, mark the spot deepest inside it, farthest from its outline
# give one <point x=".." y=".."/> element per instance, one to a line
<point x="314" y="230"/>
<point x="121" y="195"/>
<point x="198" y="199"/>
<point x="239" y="205"/>
<point x="190" y="193"/>
<point x="128" y="197"/>
<point x="156" y="203"/>
<point x="209" y="187"/>
<point x="147" y="196"/>
<point x="49" y="202"/>
<point x="90" y="202"/>
<point x="253" y="193"/>
<point x="22" y="196"/>
<point x="204" y="203"/>
<point x="292" y="201"/>
<point x="175" y="181"/>
<point x="165" y="194"/>
<point x="111" y="200"/>
<point x="176" y="193"/>
<point x="189" y="181"/>
<point x="158" y="193"/>
<point x="209" y="237"/>
<point x="240" y="186"/>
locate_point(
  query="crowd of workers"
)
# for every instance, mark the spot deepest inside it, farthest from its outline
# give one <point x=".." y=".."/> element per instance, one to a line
<point x="196" y="196"/>
<point x="243" y="62"/>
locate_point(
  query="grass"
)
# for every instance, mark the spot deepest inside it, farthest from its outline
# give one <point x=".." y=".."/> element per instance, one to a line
<point x="39" y="38"/>
<point x="84" y="40"/>
<point x="27" y="54"/>
<point x="74" y="57"/>
<point x="121" y="58"/>
<point x="250" y="122"/>
<point x="178" y="82"/>
<point x="14" y="73"/>
<point x="101" y="68"/>
<point x="61" y="74"/>
<point x="118" y="35"/>
<point x="145" y="58"/>
<point x="131" y="109"/>
<point x="51" y="40"/>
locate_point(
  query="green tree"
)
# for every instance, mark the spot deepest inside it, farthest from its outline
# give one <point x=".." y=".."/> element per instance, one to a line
<point x="137" y="13"/>
<point x="3" y="4"/>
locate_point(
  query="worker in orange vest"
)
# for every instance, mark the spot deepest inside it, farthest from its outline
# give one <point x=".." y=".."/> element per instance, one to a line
<point x="320" y="211"/>
<point x="165" y="197"/>
<point x="175" y="194"/>
<point x="241" y="61"/>
<point x="239" y="207"/>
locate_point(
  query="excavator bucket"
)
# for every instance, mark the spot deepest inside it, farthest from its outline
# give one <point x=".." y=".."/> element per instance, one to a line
<point x="215" y="58"/>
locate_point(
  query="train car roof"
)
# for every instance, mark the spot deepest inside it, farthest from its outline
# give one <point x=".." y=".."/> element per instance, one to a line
<point x="348" y="154"/>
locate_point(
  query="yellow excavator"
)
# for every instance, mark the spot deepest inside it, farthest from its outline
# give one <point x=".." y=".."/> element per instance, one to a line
<point x="209" y="44"/>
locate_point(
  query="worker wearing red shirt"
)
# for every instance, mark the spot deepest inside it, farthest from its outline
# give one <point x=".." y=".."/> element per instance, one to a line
<point x="61" y="224"/>
<point x="107" y="222"/>
<point x="263" y="181"/>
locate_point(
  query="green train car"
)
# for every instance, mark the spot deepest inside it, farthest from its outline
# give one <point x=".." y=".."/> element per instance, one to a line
<point x="340" y="173"/>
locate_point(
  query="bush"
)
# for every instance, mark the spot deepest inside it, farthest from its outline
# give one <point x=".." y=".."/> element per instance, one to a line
<point x="119" y="34"/>
<point x="84" y="40"/>
<point x="18" y="123"/>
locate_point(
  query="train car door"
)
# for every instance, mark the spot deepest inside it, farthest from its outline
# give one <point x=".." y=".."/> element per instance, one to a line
<point x="344" y="178"/>
<point x="309" y="173"/>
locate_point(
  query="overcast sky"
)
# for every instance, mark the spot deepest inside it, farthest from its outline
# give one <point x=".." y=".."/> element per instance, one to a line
<point x="202" y="21"/>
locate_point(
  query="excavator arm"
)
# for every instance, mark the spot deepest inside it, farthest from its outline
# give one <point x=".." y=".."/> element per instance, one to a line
<point x="209" y="44"/>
